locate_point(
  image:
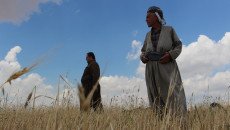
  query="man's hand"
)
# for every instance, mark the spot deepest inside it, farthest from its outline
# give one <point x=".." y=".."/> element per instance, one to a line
<point x="165" y="59"/>
<point x="144" y="59"/>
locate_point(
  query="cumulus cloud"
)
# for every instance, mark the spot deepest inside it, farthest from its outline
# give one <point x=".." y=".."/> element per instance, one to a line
<point x="204" y="56"/>
<point x="16" y="11"/>
<point x="9" y="64"/>
<point x="198" y="64"/>
<point x="201" y="85"/>
<point x="136" y="50"/>
<point x="22" y="86"/>
<point x="123" y="88"/>
<point x="141" y="70"/>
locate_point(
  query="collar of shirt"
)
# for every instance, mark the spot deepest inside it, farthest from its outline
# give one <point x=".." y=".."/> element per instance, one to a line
<point x="152" y="31"/>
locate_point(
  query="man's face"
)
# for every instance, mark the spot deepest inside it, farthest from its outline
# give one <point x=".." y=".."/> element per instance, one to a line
<point x="88" y="59"/>
<point x="151" y="19"/>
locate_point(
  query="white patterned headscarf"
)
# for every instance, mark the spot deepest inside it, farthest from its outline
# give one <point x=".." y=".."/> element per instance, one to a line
<point x="156" y="10"/>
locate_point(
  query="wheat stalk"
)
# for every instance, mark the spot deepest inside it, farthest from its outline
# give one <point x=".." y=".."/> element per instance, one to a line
<point x="34" y="98"/>
<point x="65" y="81"/>
<point x="3" y="91"/>
<point x="28" y="99"/>
<point x="57" y="97"/>
<point x="44" y="96"/>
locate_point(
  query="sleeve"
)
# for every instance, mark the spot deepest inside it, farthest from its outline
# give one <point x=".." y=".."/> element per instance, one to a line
<point x="95" y="71"/>
<point x="85" y="77"/>
<point x="176" y="46"/>
<point x="143" y="50"/>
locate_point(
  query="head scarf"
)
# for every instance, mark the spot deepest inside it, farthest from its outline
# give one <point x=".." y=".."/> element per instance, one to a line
<point x="156" y="10"/>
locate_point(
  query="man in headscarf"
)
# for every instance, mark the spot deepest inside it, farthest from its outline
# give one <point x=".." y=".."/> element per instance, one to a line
<point x="159" y="52"/>
<point x="89" y="78"/>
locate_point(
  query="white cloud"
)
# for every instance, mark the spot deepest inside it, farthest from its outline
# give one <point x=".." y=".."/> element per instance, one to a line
<point x="9" y="64"/>
<point x="22" y="86"/>
<point x="11" y="56"/>
<point x="136" y="50"/>
<point x="204" y="56"/>
<point x="213" y="86"/>
<point x="198" y="64"/>
<point x="123" y="88"/>
<point x="16" y="11"/>
<point x="141" y="70"/>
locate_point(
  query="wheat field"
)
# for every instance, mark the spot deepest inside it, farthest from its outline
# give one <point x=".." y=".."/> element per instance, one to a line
<point x="113" y="117"/>
<point x="65" y="113"/>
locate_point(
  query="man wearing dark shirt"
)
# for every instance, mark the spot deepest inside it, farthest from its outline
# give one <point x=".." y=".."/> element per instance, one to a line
<point x="90" y="77"/>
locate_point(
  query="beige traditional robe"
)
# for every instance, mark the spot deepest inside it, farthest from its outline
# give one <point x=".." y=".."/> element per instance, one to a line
<point x="163" y="80"/>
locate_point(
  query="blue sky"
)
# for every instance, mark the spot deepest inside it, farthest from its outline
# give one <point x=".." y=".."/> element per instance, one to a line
<point x="106" y="27"/>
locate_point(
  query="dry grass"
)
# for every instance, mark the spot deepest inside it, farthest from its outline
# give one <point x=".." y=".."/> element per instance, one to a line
<point x="112" y="118"/>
